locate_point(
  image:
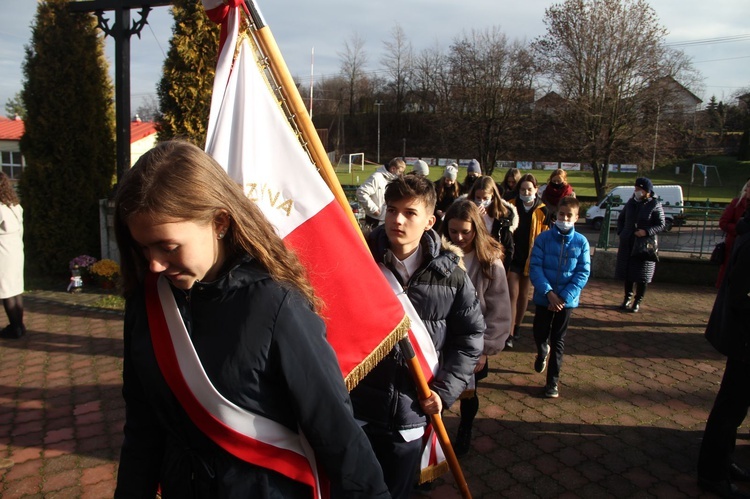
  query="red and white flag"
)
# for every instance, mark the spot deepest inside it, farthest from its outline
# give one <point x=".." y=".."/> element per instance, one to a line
<point x="249" y="135"/>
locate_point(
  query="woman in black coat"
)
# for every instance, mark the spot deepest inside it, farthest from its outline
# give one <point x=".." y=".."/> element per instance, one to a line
<point x="728" y="330"/>
<point x="641" y="216"/>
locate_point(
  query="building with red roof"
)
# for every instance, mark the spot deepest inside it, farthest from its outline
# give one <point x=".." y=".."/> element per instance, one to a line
<point x="142" y="138"/>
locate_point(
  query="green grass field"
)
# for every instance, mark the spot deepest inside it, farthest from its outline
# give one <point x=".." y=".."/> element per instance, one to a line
<point x="733" y="175"/>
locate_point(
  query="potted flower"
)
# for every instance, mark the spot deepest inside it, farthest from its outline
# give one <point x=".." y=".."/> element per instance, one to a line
<point x="79" y="271"/>
<point x="106" y="272"/>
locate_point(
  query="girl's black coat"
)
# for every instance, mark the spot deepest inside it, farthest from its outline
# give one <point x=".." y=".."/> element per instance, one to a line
<point x="264" y="349"/>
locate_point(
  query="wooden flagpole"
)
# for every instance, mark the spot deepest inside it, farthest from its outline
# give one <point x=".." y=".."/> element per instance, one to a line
<point x="424" y="392"/>
<point x="289" y="92"/>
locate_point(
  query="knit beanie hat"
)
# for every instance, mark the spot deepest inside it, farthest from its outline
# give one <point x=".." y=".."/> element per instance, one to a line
<point x="421" y="168"/>
<point x="645" y="184"/>
<point x="474" y="167"/>
<point x="451" y="172"/>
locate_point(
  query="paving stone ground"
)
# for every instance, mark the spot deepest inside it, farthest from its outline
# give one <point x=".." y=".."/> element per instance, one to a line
<point x="634" y="396"/>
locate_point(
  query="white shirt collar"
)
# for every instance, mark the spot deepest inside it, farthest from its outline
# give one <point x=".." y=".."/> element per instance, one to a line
<point x="408" y="265"/>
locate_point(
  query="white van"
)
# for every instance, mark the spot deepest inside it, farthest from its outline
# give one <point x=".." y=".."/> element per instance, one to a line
<point x="670" y="197"/>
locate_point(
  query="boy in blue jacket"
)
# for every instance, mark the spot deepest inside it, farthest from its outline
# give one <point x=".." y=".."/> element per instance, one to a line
<point x="559" y="269"/>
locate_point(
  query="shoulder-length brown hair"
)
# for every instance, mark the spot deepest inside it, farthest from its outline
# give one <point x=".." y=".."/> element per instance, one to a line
<point x="485" y="247"/>
<point x="513" y="173"/>
<point x="7" y="194"/>
<point x="177" y="180"/>
<point x="496" y="209"/>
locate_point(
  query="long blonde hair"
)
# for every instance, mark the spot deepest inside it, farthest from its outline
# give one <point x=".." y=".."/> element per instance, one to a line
<point x="485" y="247"/>
<point x="177" y="180"/>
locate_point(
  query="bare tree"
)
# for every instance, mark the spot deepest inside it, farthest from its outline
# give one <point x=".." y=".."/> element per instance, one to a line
<point x="490" y="91"/>
<point x="428" y="68"/>
<point x="149" y="109"/>
<point x="604" y="57"/>
<point x="398" y="64"/>
<point x="353" y="61"/>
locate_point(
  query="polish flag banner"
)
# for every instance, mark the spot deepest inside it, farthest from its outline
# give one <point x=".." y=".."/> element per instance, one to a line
<point x="251" y="137"/>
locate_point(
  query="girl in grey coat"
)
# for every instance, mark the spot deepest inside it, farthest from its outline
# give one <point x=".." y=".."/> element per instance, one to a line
<point x="483" y="258"/>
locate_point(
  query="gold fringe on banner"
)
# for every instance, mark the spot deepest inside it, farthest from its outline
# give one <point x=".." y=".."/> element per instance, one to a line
<point x="430" y="473"/>
<point x="385" y="346"/>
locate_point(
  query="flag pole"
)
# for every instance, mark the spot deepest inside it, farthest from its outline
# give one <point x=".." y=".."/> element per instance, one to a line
<point x="290" y="93"/>
<point x="423" y="390"/>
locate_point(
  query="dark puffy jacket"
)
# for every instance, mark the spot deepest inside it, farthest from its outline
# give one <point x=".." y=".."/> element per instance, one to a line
<point x="264" y="349"/>
<point x="446" y="301"/>
<point x="648" y="215"/>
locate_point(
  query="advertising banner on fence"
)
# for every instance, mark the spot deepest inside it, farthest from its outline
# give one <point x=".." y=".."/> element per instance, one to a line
<point x="505" y="164"/>
<point x="545" y="165"/>
<point x="446" y="161"/>
<point x="614" y="168"/>
<point x="629" y="168"/>
<point x="570" y="166"/>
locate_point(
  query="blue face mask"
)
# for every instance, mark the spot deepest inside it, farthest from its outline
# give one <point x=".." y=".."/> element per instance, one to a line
<point x="564" y="226"/>
<point x="527" y="199"/>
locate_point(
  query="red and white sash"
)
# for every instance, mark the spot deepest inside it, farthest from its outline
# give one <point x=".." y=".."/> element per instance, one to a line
<point x="250" y="437"/>
<point x="433" y="462"/>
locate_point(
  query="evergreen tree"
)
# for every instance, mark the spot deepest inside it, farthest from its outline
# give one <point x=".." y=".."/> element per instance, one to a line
<point x="188" y="74"/>
<point x="69" y="143"/>
<point x="14" y="107"/>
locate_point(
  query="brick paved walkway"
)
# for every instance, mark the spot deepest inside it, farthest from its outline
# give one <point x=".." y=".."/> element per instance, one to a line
<point x="635" y="392"/>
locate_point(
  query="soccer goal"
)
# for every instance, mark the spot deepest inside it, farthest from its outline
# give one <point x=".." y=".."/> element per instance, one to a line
<point x="348" y="161"/>
<point x="704" y="170"/>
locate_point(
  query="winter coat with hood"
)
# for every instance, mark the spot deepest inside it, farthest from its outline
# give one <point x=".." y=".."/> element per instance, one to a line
<point x="560" y="263"/>
<point x="371" y="194"/>
<point x="262" y="348"/>
<point x="648" y="215"/>
<point x="494" y="300"/>
<point x="447" y="303"/>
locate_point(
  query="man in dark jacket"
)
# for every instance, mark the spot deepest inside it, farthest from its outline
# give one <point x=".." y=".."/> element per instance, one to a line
<point x="728" y="331"/>
<point x="444" y="298"/>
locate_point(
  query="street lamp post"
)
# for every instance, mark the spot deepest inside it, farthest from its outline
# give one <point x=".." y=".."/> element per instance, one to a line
<point x="378" y="104"/>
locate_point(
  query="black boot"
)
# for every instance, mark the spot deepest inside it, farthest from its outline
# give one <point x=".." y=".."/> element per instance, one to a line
<point x="626" y="302"/>
<point x="636" y="305"/>
<point x="463" y="440"/>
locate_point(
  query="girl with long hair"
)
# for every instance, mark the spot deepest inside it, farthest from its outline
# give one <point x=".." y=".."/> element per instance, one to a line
<point x="509" y="185"/>
<point x="11" y="259"/>
<point x="532" y="220"/>
<point x="499" y="216"/>
<point x="483" y="258"/>
<point x="197" y="252"/>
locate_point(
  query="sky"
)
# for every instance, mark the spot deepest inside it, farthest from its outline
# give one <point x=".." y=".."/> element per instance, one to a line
<point x="715" y="35"/>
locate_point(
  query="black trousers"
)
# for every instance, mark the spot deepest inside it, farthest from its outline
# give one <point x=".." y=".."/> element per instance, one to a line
<point x="399" y="460"/>
<point x="729" y="410"/>
<point x="551" y="327"/>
